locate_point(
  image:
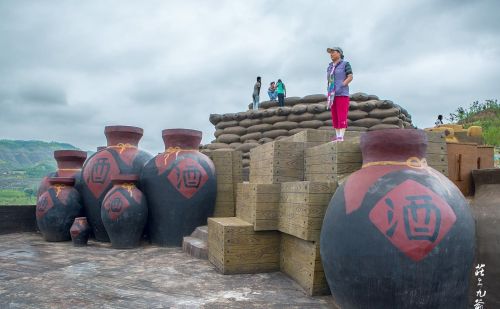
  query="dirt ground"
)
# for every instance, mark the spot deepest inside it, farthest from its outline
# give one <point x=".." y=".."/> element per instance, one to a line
<point x="39" y="274"/>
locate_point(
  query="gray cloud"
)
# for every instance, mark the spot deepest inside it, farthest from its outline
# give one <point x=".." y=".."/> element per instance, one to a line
<point x="69" y="69"/>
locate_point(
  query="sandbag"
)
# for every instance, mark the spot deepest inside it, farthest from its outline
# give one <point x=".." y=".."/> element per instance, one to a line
<point x="366" y="122"/>
<point x="372" y="97"/>
<point x="250" y="122"/>
<point x="214" y="146"/>
<point x="218" y="132"/>
<point x="367" y="106"/>
<point x="328" y="122"/>
<point x="300" y="118"/>
<point x="240" y="116"/>
<point x="313" y="98"/>
<point x="392" y="120"/>
<point x="245" y="162"/>
<point x="265" y="140"/>
<point x="274" y="119"/>
<point x="235" y="130"/>
<point x="384" y="104"/>
<point x="325" y="128"/>
<point x="353" y="105"/>
<point x="311" y="124"/>
<point x="291" y="101"/>
<point x="295" y="131"/>
<point x="323" y="116"/>
<point x="254" y="135"/>
<point x="228" y="138"/>
<point x="357" y="129"/>
<point x="215" y="118"/>
<point x="254" y="114"/>
<point x="268" y="113"/>
<point x="407" y="125"/>
<point x="228" y="117"/>
<point x="245" y="155"/>
<point x="316" y="108"/>
<point x="357" y="114"/>
<point x="285" y="125"/>
<point x="226" y="124"/>
<point x="280" y="138"/>
<point x="235" y="145"/>
<point x="275" y="133"/>
<point x="383" y="113"/>
<point x="259" y="128"/>
<point x="247" y="147"/>
<point x="359" y="97"/>
<point x="299" y="109"/>
<point x="382" y="126"/>
<point x="283" y="111"/>
<point x="251" y="141"/>
<point x="268" y="104"/>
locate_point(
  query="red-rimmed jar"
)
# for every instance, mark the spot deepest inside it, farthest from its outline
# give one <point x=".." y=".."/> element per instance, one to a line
<point x="57" y="208"/>
<point x="80" y="232"/>
<point x="181" y="188"/>
<point x="124" y="212"/>
<point x="121" y="156"/>
<point x="397" y="233"/>
<point x="69" y="164"/>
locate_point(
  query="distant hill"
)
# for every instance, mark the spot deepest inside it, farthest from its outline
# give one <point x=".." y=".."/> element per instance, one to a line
<point x="24" y="163"/>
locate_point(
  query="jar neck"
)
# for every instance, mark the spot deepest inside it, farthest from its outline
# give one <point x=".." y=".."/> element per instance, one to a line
<point x="396" y="145"/>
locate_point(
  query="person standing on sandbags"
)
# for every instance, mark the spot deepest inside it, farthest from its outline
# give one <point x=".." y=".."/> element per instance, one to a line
<point x="256" y="94"/>
<point x="339" y="75"/>
<point x="281" y="91"/>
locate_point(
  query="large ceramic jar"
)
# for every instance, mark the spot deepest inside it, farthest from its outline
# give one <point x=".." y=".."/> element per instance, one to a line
<point x="181" y="187"/>
<point x="124" y="212"/>
<point x="121" y="156"/>
<point x="57" y="208"/>
<point x="397" y="233"/>
<point x="69" y="164"/>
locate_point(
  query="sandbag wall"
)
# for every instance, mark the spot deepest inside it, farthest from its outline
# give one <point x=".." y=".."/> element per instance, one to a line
<point x="246" y="130"/>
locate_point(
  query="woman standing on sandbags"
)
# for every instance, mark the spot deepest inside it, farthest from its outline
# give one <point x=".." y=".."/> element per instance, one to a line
<point x="339" y="75"/>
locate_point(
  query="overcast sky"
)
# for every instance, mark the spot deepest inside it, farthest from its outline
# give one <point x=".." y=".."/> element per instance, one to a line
<point x="69" y="68"/>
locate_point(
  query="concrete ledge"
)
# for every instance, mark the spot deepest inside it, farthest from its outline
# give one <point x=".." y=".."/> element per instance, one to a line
<point x="17" y="218"/>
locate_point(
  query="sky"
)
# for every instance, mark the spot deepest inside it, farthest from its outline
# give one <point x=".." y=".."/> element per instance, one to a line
<point x="69" y="68"/>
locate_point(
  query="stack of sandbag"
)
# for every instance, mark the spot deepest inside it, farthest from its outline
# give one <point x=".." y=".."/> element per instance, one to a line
<point x="245" y="130"/>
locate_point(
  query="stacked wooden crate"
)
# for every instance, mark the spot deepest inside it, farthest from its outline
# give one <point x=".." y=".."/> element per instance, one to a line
<point x="437" y="153"/>
<point x="277" y="162"/>
<point x="228" y="170"/>
<point x="301" y="260"/>
<point x="332" y="162"/>
<point x="278" y="204"/>
<point x="235" y="248"/>
<point x="302" y="207"/>
<point x="258" y="204"/>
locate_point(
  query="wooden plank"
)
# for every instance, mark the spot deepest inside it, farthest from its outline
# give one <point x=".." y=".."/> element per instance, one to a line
<point x="342" y="157"/>
<point x="310" y="199"/>
<point x="308" y="187"/>
<point x="300" y="260"/>
<point x="434" y="137"/>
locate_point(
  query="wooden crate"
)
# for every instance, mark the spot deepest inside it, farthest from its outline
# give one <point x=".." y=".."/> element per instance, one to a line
<point x="436" y="154"/>
<point x="332" y="161"/>
<point x="302" y="207"/>
<point x="300" y="259"/>
<point x="228" y="170"/>
<point x="258" y="204"/>
<point x="486" y="155"/>
<point x="235" y="248"/>
<point x="462" y="159"/>
<point x="277" y="162"/>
